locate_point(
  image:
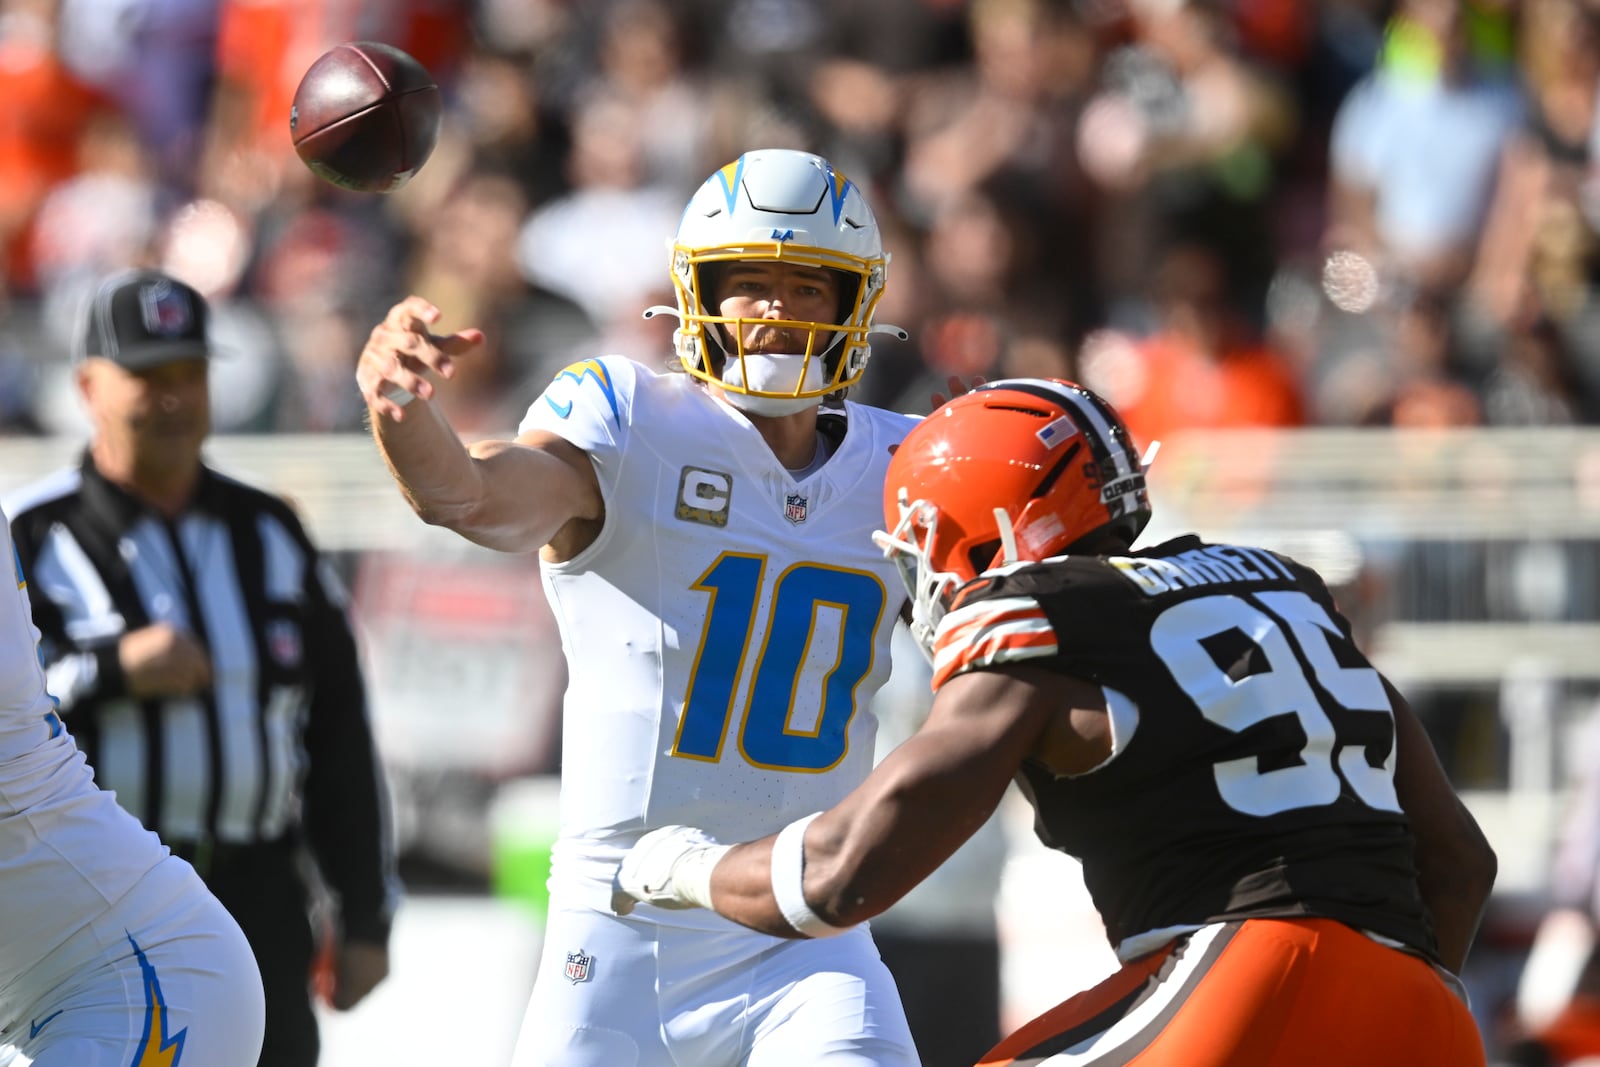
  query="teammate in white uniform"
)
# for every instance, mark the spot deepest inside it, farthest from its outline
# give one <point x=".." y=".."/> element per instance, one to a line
<point x="112" y="951"/>
<point x="706" y="540"/>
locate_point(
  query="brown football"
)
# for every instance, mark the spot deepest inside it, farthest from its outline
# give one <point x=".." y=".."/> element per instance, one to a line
<point x="365" y="117"/>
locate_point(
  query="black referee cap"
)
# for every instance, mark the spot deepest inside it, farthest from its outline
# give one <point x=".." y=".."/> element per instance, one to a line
<point x="144" y="318"/>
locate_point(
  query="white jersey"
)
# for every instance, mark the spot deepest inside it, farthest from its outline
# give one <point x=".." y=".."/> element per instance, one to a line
<point x="67" y="851"/>
<point x="726" y="631"/>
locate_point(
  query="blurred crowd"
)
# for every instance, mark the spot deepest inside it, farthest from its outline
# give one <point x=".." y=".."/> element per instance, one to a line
<point x="1217" y="212"/>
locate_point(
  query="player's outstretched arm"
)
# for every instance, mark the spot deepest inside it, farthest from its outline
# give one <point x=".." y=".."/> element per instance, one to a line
<point x="915" y="809"/>
<point x="1455" y="864"/>
<point x="512" y="496"/>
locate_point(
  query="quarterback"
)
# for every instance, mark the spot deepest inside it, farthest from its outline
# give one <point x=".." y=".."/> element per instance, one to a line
<point x="112" y="951"/>
<point x="706" y="548"/>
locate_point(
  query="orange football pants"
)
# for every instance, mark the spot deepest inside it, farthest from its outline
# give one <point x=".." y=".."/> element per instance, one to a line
<point x="1259" y="993"/>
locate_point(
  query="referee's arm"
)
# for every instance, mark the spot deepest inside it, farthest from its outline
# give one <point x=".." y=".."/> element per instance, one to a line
<point x="344" y="814"/>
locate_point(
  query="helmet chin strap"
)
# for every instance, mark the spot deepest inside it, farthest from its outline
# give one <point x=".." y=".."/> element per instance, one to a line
<point x="771" y="407"/>
<point x="762" y="381"/>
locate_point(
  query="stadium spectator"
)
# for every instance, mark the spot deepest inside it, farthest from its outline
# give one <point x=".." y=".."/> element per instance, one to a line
<point x="1183" y="139"/>
<point x="1202" y="367"/>
<point x="1416" y="144"/>
<point x="47" y="111"/>
<point x="157" y="60"/>
<point x="1533" y="287"/>
<point x="610" y="219"/>
<point x="640" y="67"/>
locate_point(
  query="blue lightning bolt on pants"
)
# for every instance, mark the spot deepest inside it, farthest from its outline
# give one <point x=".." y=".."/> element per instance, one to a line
<point x="163" y="978"/>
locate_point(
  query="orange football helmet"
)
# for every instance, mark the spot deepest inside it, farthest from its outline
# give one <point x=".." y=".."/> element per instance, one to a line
<point x="1016" y="470"/>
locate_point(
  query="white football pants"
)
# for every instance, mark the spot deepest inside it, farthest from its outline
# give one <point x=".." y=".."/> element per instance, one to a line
<point x="163" y="978"/>
<point x="687" y="987"/>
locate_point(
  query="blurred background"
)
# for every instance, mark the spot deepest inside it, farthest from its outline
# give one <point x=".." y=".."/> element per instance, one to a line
<point x="1342" y="257"/>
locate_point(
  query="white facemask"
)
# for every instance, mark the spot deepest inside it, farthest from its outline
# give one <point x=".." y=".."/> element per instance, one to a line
<point x="772" y="372"/>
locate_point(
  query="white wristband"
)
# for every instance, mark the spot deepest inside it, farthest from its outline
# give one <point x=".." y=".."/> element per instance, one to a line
<point x="788" y="881"/>
<point x="691" y="875"/>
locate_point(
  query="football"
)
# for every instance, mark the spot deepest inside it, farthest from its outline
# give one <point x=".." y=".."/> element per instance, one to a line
<point x="365" y="117"/>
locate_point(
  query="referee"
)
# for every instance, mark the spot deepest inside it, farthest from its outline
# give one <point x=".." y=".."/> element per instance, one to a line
<point x="198" y="645"/>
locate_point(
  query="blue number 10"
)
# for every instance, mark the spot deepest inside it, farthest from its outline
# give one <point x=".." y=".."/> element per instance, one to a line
<point x="766" y="737"/>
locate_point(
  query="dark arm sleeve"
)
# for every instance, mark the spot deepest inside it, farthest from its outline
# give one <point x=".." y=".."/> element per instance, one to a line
<point x="346" y="810"/>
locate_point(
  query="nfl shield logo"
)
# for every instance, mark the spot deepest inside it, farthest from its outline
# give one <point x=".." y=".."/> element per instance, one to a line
<point x="794" y="508"/>
<point x="579" y="966"/>
<point x="166" y="309"/>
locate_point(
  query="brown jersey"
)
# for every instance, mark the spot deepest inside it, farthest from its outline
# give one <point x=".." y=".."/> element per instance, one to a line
<point x="1253" y="764"/>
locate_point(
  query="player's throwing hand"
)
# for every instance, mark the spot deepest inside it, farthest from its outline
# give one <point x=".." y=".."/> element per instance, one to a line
<point x="401" y="350"/>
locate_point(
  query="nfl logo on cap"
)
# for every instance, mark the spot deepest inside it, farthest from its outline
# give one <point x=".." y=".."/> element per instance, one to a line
<point x="166" y="308"/>
<point x="142" y="319"/>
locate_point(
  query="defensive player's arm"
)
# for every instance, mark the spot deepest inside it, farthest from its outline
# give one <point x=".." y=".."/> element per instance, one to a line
<point x="1455" y="865"/>
<point x="515" y="496"/>
<point x="915" y="808"/>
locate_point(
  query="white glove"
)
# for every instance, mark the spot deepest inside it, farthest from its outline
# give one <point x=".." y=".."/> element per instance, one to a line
<point x="670" y="868"/>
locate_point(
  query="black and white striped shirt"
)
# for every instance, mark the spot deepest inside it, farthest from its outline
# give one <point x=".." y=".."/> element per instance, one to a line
<point x="279" y="744"/>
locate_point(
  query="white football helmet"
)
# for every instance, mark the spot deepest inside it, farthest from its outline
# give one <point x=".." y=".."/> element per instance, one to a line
<point x="778" y="205"/>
